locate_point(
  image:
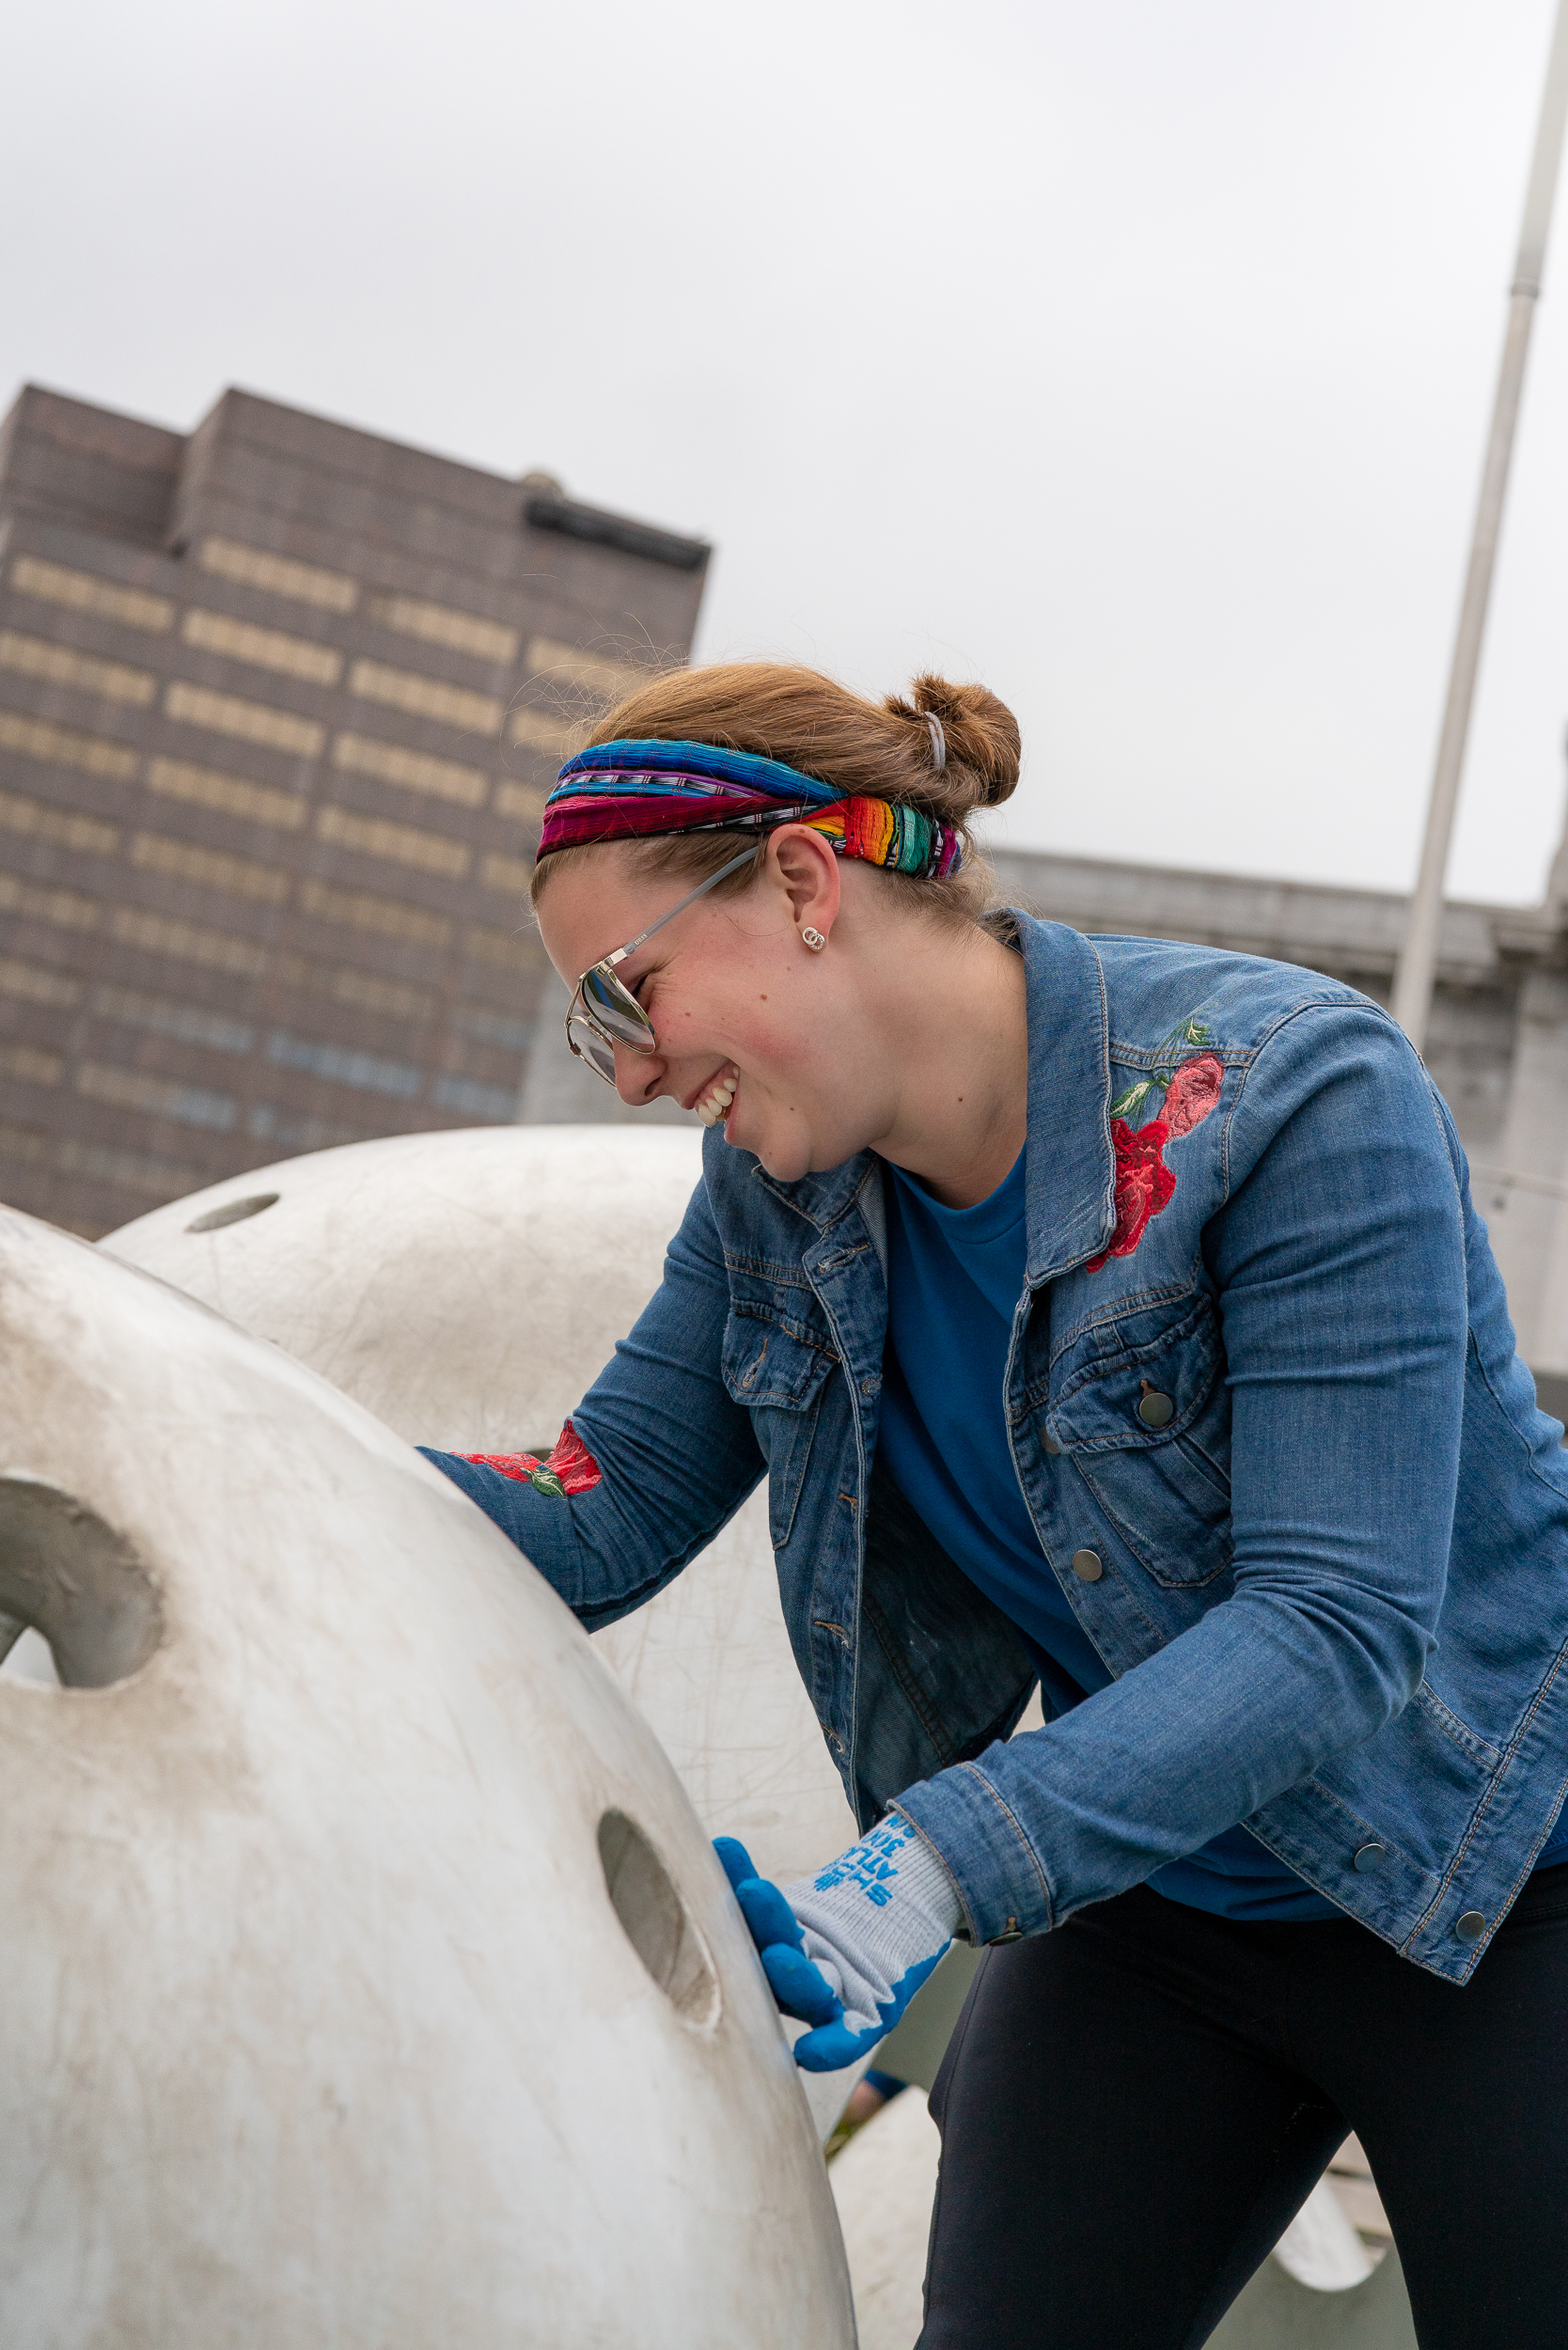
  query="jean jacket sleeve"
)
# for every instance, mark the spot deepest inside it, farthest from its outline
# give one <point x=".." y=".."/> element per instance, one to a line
<point x="1338" y="1263"/>
<point x="674" y="1457"/>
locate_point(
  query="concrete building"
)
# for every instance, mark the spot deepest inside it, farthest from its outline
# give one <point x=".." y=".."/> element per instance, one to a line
<point x="1498" y="1045"/>
<point x="279" y="702"/>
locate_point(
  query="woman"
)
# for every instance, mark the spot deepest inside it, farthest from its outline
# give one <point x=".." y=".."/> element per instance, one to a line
<point x="1112" y="1314"/>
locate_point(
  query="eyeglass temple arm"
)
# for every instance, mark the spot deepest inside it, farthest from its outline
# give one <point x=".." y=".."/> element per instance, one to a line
<point x="690" y="899"/>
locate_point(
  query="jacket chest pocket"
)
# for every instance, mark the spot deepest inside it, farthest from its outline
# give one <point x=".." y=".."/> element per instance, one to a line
<point x="1147" y="1427"/>
<point x="778" y="1378"/>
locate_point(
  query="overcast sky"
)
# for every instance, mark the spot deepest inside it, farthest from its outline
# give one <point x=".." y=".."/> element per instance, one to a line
<point x="1135" y="357"/>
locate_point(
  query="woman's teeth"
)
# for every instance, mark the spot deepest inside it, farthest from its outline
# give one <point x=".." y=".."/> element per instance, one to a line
<point x="714" y="1105"/>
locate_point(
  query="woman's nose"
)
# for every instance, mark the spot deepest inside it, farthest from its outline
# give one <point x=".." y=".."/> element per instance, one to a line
<point x="637" y="1075"/>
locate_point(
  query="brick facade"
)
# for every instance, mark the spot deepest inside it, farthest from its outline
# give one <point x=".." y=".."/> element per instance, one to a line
<point x="279" y="703"/>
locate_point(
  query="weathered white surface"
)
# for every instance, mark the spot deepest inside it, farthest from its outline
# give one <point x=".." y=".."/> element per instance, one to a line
<point x="884" y="2183"/>
<point x="320" y="2027"/>
<point x="466" y="1288"/>
<point x="1321" y="2248"/>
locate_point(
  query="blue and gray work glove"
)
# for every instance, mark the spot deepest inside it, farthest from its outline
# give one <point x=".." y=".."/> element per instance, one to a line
<point x="847" y="1949"/>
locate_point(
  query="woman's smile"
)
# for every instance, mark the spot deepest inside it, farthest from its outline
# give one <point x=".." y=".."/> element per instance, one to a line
<point x="711" y="1103"/>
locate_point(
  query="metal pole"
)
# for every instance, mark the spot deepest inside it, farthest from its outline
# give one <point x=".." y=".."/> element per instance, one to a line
<point x="1418" y="963"/>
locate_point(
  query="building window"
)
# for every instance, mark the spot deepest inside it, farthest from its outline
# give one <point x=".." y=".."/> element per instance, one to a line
<point x="523" y="800"/>
<point x="504" y="950"/>
<point x="38" y="822"/>
<point x="426" y="697"/>
<point x="81" y="591"/>
<point x="371" y="835"/>
<point x="586" y="673"/>
<point x="187" y="942"/>
<point x="28" y="1144"/>
<point x="279" y="574"/>
<point x="475" y="1101"/>
<point x="55" y="664"/>
<point x="493" y="1027"/>
<point x="67" y="908"/>
<point x="209" y="869"/>
<point x="163" y="1179"/>
<point x="343" y="1066"/>
<point x="269" y="1123"/>
<point x="264" y="648"/>
<point x="34" y="984"/>
<point x="511" y="873"/>
<point x="33" y="1068"/>
<point x="541" y="731"/>
<point x="411" y="771"/>
<point x="363" y="991"/>
<point x="389" y="917"/>
<point x="188" y="1023"/>
<point x="250" y="722"/>
<point x="229" y="795"/>
<point x="155" y="1097"/>
<point x="59" y="747"/>
<point x="439" y="624"/>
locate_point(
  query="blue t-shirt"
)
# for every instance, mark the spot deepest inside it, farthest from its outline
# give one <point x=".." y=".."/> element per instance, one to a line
<point x="954" y="1278"/>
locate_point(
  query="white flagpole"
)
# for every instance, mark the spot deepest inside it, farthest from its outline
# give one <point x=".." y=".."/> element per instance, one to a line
<point x="1418" y="963"/>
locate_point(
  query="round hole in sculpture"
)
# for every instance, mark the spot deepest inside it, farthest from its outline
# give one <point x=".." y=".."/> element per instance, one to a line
<point x="234" y="1212"/>
<point x="655" y="1919"/>
<point x="67" y="1574"/>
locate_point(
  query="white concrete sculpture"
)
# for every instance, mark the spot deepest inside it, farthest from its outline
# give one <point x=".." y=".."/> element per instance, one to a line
<point x="884" y="2183"/>
<point x="368" y="1981"/>
<point x="466" y="1288"/>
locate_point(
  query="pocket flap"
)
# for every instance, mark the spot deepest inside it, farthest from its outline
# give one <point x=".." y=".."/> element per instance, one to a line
<point x="1137" y="1382"/>
<point x="767" y="1365"/>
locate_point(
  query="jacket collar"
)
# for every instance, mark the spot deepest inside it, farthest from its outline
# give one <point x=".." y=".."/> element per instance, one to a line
<point x="1071" y="1198"/>
<point x="822" y="1200"/>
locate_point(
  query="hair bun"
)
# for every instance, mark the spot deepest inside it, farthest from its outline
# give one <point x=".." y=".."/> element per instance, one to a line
<point x="980" y="732"/>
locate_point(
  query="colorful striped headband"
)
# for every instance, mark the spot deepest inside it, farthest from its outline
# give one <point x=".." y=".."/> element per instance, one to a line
<point x="631" y="791"/>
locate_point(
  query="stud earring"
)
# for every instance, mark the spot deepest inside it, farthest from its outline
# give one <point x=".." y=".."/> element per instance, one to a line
<point x="813" y="939"/>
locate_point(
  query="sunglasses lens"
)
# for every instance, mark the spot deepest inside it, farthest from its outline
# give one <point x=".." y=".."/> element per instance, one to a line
<point x="617" y="1011"/>
<point x="590" y="1046"/>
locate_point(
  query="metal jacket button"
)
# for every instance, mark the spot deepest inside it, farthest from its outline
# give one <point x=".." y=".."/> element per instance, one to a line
<point x="1471" y="1926"/>
<point x="1156" y="1410"/>
<point x="1052" y="1445"/>
<point x="1370" y="1856"/>
<point x="1087" y="1566"/>
<point x="1011" y="1932"/>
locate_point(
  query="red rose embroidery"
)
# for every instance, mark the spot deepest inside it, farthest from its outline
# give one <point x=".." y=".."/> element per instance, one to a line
<point x="571" y="1468"/>
<point x="1192" y="1093"/>
<point x="1144" y="1185"/>
<point x="572" y="1463"/>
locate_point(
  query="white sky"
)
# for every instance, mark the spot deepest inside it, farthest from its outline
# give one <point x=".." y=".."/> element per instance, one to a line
<point x="1134" y="357"/>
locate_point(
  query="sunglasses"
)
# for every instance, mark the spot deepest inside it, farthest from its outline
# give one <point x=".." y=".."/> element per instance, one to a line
<point x="602" y="1013"/>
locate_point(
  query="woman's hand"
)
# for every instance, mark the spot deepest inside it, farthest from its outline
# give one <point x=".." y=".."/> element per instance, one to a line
<point x="847" y="1949"/>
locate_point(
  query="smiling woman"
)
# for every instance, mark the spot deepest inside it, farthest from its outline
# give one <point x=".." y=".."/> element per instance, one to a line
<point x="1109" y="1314"/>
<point x="816" y="778"/>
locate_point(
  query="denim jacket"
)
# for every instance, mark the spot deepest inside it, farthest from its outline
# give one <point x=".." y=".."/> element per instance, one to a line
<point x="1265" y="1410"/>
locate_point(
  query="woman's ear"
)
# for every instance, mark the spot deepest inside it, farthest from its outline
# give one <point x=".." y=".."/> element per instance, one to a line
<point x="808" y="875"/>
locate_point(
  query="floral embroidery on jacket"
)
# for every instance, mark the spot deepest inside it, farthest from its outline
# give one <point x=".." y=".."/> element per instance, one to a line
<point x="1144" y="1183"/>
<point x="571" y="1468"/>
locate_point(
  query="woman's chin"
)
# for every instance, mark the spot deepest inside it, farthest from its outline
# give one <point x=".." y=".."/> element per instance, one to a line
<point x="786" y="1158"/>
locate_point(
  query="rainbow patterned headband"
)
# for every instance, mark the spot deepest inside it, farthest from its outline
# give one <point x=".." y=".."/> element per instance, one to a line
<point x="627" y="791"/>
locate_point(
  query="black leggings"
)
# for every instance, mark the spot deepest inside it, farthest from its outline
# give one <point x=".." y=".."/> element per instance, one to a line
<point x="1134" y="2108"/>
